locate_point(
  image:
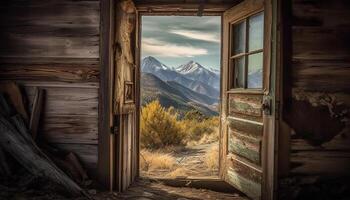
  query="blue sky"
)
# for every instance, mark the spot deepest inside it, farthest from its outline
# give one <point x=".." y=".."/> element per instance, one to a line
<point x="175" y="40"/>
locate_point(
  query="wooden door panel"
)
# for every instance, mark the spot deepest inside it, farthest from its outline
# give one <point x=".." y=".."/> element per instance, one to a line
<point x="247" y="106"/>
<point x="246" y="127"/>
<point x="124" y="101"/>
<point x="245" y="146"/>
<point x="246" y="178"/>
<point x="243" y="120"/>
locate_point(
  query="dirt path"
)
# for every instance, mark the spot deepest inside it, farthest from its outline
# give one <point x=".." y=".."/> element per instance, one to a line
<point x="190" y="163"/>
<point x="193" y="160"/>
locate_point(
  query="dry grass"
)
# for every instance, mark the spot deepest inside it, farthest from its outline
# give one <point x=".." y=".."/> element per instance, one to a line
<point x="156" y="160"/>
<point x="211" y="159"/>
<point x="177" y="173"/>
<point x="205" y="139"/>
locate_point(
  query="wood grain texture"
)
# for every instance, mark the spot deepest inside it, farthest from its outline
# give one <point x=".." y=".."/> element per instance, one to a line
<point x="58" y="72"/>
<point x="55" y="45"/>
<point x="51" y="29"/>
<point x="246" y="127"/>
<point x="70" y="114"/>
<point x="242" y="104"/>
<point x="318" y="67"/>
<point x="246" y="178"/>
<point x="242" y="119"/>
<point x="246" y="147"/>
<point x="184" y="6"/>
<point x="321" y="45"/>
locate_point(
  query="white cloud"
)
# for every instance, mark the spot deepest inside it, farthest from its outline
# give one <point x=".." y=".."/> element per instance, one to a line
<point x="209" y="37"/>
<point x="158" y="48"/>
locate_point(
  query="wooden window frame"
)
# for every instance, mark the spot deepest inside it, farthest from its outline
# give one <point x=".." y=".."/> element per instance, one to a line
<point x="230" y="82"/>
<point x="245" y="54"/>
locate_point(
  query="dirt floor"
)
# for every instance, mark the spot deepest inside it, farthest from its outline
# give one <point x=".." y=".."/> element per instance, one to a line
<point x="191" y="161"/>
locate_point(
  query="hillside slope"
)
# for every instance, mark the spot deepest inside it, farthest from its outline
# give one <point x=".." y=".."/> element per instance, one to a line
<point x="153" y="88"/>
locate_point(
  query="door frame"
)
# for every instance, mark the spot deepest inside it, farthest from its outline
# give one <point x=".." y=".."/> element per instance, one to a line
<point x="107" y="20"/>
<point x="138" y="62"/>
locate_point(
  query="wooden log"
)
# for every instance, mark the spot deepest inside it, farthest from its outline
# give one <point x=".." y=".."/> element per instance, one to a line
<point x="13" y="92"/>
<point x="36" y="112"/>
<point x="15" y="139"/>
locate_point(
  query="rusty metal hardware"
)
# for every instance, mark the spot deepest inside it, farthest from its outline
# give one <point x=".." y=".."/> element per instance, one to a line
<point x="266" y="105"/>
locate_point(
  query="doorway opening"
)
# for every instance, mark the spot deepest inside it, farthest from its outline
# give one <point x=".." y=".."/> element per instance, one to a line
<point x="180" y="77"/>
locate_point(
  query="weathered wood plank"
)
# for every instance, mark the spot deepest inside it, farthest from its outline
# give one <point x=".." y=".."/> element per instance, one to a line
<point x="320" y="65"/>
<point x="246" y="127"/>
<point x="245" y="104"/>
<point x="67" y="73"/>
<point x="68" y="101"/>
<point x="320" y="162"/>
<point x="78" y="129"/>
<point x="36" y="114"/>
<point x="243" y="184"/>
<point x="244" y="146"/>
<point x="53" y="29"/>
<point x="246" y="178"/>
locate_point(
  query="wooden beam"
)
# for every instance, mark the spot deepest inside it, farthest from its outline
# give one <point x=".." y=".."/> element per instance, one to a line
<point x="36" y="112"/>
<point x="189" y="7"/>
<point x="105" y="164"/>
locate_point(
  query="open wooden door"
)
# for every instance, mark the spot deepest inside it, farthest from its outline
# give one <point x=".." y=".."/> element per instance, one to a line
<point x="247" y="116"/>
<point x="124" y="100"/>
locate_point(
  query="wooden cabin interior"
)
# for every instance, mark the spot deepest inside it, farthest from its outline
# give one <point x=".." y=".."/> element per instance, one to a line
<point x="85" y="55"/>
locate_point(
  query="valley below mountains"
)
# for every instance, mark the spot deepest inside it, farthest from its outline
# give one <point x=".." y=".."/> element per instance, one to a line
<point x="187" y="87"/>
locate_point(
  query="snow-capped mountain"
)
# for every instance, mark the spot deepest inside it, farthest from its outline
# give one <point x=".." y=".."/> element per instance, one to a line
<point x="152" y="65"/>
<point x="195" y="71"/>
<point x="196" y="78"/>
<point x="216" y="71"/>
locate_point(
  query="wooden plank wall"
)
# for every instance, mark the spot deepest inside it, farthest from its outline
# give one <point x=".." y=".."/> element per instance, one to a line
<point x="54" y="45"/>
<point x="318" y="84"/>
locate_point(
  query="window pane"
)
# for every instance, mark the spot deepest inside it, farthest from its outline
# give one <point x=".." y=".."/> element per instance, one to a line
<point x="256" y="32"/>
<point x="239" y="38"/>
<point x="239" y="64"/>
<point x="255" y="70"/>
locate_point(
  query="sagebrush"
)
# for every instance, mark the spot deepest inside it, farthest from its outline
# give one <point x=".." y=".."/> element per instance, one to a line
<point x="160" y="127"/>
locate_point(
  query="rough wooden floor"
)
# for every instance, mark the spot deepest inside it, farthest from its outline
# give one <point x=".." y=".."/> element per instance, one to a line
<point x="151" y="190"/>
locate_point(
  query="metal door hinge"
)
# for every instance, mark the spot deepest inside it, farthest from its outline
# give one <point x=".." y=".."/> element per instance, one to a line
<point x="266" y="105"/>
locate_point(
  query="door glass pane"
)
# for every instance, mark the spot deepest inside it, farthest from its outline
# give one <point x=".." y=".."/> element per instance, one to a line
<point x="239" y="38"/>
<point x="256" y="32"/>
<point x="255" y="70"/>
<point x="239" y="64"/>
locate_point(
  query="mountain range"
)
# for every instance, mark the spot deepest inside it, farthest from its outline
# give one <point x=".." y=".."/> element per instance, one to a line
<point x="187" y="87"/>
<point x="174" y="94"/>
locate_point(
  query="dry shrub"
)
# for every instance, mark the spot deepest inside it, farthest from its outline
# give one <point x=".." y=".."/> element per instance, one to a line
<point x="178" y="172"/>
<point x="160" y="127"/>
<point x="196" y="130"/>
<point x="156" y="160"/>
<point x="211" y="158"/>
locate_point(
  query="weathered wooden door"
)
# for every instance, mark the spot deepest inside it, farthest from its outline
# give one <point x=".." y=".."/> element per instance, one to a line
<point x="124" y="108"/>
<point x="247" y="118"/>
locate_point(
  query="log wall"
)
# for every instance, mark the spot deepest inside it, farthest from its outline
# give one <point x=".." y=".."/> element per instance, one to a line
<point x="317" y="92"/>
<point x="54" y="45"/>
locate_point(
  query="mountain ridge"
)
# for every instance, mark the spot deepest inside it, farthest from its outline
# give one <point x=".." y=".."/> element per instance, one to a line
<point x="153" y="88"/>
<point x="200" y="79"/>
